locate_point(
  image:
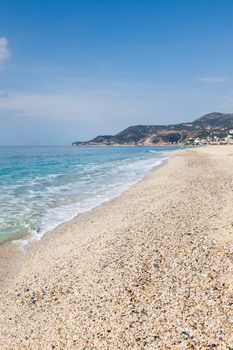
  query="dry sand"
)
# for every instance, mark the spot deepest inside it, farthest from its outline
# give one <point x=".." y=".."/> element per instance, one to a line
<point x="152" y="269"/>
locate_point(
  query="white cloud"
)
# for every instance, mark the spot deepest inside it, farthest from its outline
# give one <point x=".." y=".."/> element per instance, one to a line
<point x="213" y="79"/>
<point x="4" y="51"/>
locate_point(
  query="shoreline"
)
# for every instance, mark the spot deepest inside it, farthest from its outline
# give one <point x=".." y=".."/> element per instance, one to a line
<point x="13" y="252"/>
<point x="122" y="187"/>
<point x="150" y="268"/>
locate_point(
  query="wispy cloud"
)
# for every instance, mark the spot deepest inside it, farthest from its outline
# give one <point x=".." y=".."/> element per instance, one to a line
<point x="76" y="105"/>
<point x="3" y="94"/>
<point x="122" y="103"/>
<point x="84" y="112"/>
<point x="4" y="51"/>
<point x="213" y="79"/>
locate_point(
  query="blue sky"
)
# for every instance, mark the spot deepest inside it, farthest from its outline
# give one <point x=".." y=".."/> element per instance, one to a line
<point x="72" y="69"/>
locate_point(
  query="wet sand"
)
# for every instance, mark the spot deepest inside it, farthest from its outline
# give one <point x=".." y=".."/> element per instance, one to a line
<point x="151" y="269"/>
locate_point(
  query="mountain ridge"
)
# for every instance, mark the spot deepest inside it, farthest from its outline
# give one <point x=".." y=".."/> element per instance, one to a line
<point x="211" y="127"/>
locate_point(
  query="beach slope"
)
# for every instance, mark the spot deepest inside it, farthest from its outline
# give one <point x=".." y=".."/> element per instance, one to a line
<point x="151" y="269"/>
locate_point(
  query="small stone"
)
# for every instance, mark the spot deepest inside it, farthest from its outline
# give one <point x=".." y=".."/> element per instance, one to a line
<point x="185" y="333"/>
<point x="156" y="266"/>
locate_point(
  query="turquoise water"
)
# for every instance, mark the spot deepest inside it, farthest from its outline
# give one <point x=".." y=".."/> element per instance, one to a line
<point x="41" y="187"/>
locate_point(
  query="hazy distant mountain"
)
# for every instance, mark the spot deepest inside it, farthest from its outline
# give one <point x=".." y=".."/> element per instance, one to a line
<point x="210" y="125"/>
<point x="215" y="120"/>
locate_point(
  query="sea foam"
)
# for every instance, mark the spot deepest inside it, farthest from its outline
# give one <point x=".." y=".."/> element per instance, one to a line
<point x="48" y="186"/>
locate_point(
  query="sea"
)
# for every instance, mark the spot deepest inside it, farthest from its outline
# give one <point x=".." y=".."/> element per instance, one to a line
<point x="41" y="187"/>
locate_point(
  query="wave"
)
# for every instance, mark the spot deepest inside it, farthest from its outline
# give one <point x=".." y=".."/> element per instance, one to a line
<point x="56" y="216"/>
<point x="37" y="199"/>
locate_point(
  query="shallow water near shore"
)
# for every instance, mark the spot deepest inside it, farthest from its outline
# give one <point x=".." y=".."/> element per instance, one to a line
<point x="41" y="187"/>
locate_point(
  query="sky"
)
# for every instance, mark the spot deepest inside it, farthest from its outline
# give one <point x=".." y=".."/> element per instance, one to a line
<point x="74" y="69"/>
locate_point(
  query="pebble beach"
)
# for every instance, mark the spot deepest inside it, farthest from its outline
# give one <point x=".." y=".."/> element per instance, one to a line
<point x="150" y="269"/>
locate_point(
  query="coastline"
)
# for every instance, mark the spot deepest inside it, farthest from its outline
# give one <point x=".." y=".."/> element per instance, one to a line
<point x="78" y="198"/>
<point x="86" y="275"/>
<point x="14" y="252"/>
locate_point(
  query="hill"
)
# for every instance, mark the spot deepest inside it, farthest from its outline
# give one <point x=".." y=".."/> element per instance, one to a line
<point x="215" y="120"/>
<point x="212" y="127"/>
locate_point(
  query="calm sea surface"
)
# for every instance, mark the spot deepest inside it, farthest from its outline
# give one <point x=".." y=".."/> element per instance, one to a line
<point x="41" y="187"/>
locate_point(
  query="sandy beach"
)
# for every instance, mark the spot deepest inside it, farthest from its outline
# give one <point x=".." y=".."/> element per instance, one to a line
<point x="151" y="269"/>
